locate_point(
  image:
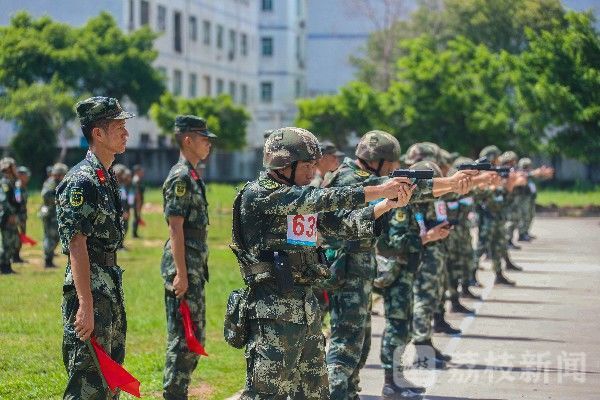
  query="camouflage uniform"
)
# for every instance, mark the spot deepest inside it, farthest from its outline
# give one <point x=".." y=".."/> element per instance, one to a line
<point x="527" y="208"/>
<point x="483" y="241"/>
<point x="48" y="213"/>
<point x="493" y="213"/>
<point x="88" y="204"/>
<point x="285" y="351"/>
<point x="22" y="197"/>
<point x="459" y="243"/>
<point x="139" y="189"/>
<point x="10" y="208"/>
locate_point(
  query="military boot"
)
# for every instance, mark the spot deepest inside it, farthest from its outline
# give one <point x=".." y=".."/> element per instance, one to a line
<point x="6" y="269"/>
<point x="424" y="349"/>
<point x="510" y="265"/>
<point x="392" y="391"/>
<point x="513" y="246"/>
<point x="17" y="259"/>
<point x="468" y="294"/>
<point x="524" y="238"/>
<point x="503" y="280"/>
<point x="49" y="263"/>
<point x="457" y="307"/>
<point x="440" y="325"/>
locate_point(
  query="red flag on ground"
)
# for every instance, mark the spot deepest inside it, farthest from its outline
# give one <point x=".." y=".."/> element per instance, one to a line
<point x="142" y="222"/>
<point x="26" y="239"/>
<point x="188" y="327"/>
<point x="114" y="374"/>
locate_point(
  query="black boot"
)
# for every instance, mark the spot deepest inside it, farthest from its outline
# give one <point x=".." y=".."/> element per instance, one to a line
<point x="391" y="391"/>
<point x="459" y="308"/>
<point x="49" y="263"/>
<point x="466" y="293"/>
<point x="424" y="349"/>
<point x="17" y="259"/>
<point x="502" y="280"/>
<point x="440" y="325"/>
<point x="513" y="246"/>
<point x="510" y="265"/>
<point x="6" y="269"/>
<point x="524" y="238"/>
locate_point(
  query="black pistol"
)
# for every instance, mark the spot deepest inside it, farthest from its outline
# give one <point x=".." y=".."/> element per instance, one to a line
<point x="481" y="164"/>
<point x="412" y="173"/>
<point x="504" y="172"/>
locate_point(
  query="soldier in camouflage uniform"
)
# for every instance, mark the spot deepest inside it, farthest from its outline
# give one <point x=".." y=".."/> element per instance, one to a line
<point x="491" y="153"/>
<point x="328" y="163"/>
<point x="517" y="197"/>
<point x="527" y="207"/>
<point x="48" y="212"/>
<point x="139" y="189"/>
<point x="22" y="197"/>
<point x="11" y="209"/>
<point x="184" y="265"/>
<point x="276" y="218"/>
<point x="89" y="225"/>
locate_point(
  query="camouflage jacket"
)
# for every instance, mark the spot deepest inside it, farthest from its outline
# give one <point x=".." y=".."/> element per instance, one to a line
<point x="48" y="209"/>
<point x="492" y="203"/>
<point x="268" y="209"/>
<point x="10" y="206"/>
<point x="184" y="195"/>
<point x="400" y="236"/>
<point x="88" y="203"/>
<point x="347" y="174"/>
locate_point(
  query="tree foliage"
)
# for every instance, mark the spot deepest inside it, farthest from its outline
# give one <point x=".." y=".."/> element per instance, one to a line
<point x="224" y="118"/>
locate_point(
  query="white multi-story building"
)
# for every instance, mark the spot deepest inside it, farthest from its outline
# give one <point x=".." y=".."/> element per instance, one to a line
<point x="282" y="62"/>
<point x="205" y="47"/>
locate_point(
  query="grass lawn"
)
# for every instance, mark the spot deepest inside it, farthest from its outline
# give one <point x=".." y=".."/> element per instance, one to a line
<point x="30" y="321"/>
<point x="569" y="198"/>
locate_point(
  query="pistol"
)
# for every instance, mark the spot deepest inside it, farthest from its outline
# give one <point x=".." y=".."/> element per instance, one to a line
<point x="481" y="164"/>
<point x="504" y="172"/>
<point x="412" y="173"/>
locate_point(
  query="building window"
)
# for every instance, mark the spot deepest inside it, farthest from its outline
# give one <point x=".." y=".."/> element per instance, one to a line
<point x="207" y="85"/>
<point x="220" y="86"/>
<point x="177" y="82"/>
<point x="219" y="36"/>
<point x="177" y="32"/>
<point x="232" y="44"/>
<point x="232" y="90"/>
<point x="193" y="83"/>
<point x="266" y="92"/>
<point x="161" y="19"/>
<point x="131" y="15"/>
<point x="206" y="32"/>
<point x="144" y="140"/>
<point x="244" y="44"/>
<point x="144" y="12"/>
<point x="267" y="5"/>
<point x="244" y="94"/>
<point x="193" y="28"/>
<point x="267" y="46"/>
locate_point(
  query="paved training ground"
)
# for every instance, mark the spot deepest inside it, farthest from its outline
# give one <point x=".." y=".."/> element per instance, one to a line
<point x="539" y="340"/>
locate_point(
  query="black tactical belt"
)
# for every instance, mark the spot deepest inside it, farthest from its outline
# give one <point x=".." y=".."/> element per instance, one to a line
<point x="196" y="234"/>
<point x="103" y="258"/>
<point x="303" y="258"/>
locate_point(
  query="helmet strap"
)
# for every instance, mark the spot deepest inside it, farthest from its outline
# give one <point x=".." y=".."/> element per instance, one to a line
<point x="291" y="180"/>
<point x="373" y="170"/>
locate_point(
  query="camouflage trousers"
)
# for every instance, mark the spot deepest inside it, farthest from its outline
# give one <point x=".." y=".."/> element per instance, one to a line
<point x="483" y="240"/>
<point x="398" y="303"/>
<point x="498" y="243"/>
<point x="350" y="342"/>
<point x="135" y="223"/>
<point x="10" y="244"/>
<point x="428" y="289"/>
<point x="110" y="326"/>
<point x="459" y="261"/>
<point x="180" y="362"/>
<point x="527" y="212"/>
<point x="285" y="360"/>
<point x="51" y="237"/>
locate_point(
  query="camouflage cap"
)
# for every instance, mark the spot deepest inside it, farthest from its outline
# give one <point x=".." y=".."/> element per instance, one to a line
<point x="287" y="145"/>
<point x="327" y="147"/>
<point x="23" y="170"/>
<point x="525" y="163"/>
<point x="508" y="157"/>
<point x="458" y="161"/>
<point x="7" y="162"/>
<point x="424" y="151"/>
<point x="378" y="145"/>
<point x="490" y="152"/>
<point x="191" y="123"/>
<point x="444" y="157"/>
<point x="426" y="164"/>
<point x="98" y="108"/>
<point x="267" y="133"/>
<point x="59" y="169"/>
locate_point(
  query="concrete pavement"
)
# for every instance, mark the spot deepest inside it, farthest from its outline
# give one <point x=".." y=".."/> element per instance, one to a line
<point x="539" y="340"/>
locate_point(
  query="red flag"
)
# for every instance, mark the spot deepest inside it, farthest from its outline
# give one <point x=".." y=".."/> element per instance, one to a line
<point x="26" y="239"/>
<point x="114" y="374"/>
<point x="326" y="296"/>
<point x="188" y="327"/>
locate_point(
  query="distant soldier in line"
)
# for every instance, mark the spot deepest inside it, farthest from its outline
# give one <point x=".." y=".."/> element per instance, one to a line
<point x="22" y="196"/>
<point x="89" y="224"/>
<point x="123" y="175"/>
<point x="328" y="163"/>
<point x="9" y="223"/>
<point x="139" y="188"/>
<point x="48" y="212"/>
<point x="184" y="265"/>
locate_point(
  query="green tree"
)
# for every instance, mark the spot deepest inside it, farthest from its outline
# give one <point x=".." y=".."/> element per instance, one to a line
<point x="40" y="111"/>
<point x="559" y="88"/>
<point x="354" y="110"/>
<point x="96" y="58"/>
<point x="226" y="119"/>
